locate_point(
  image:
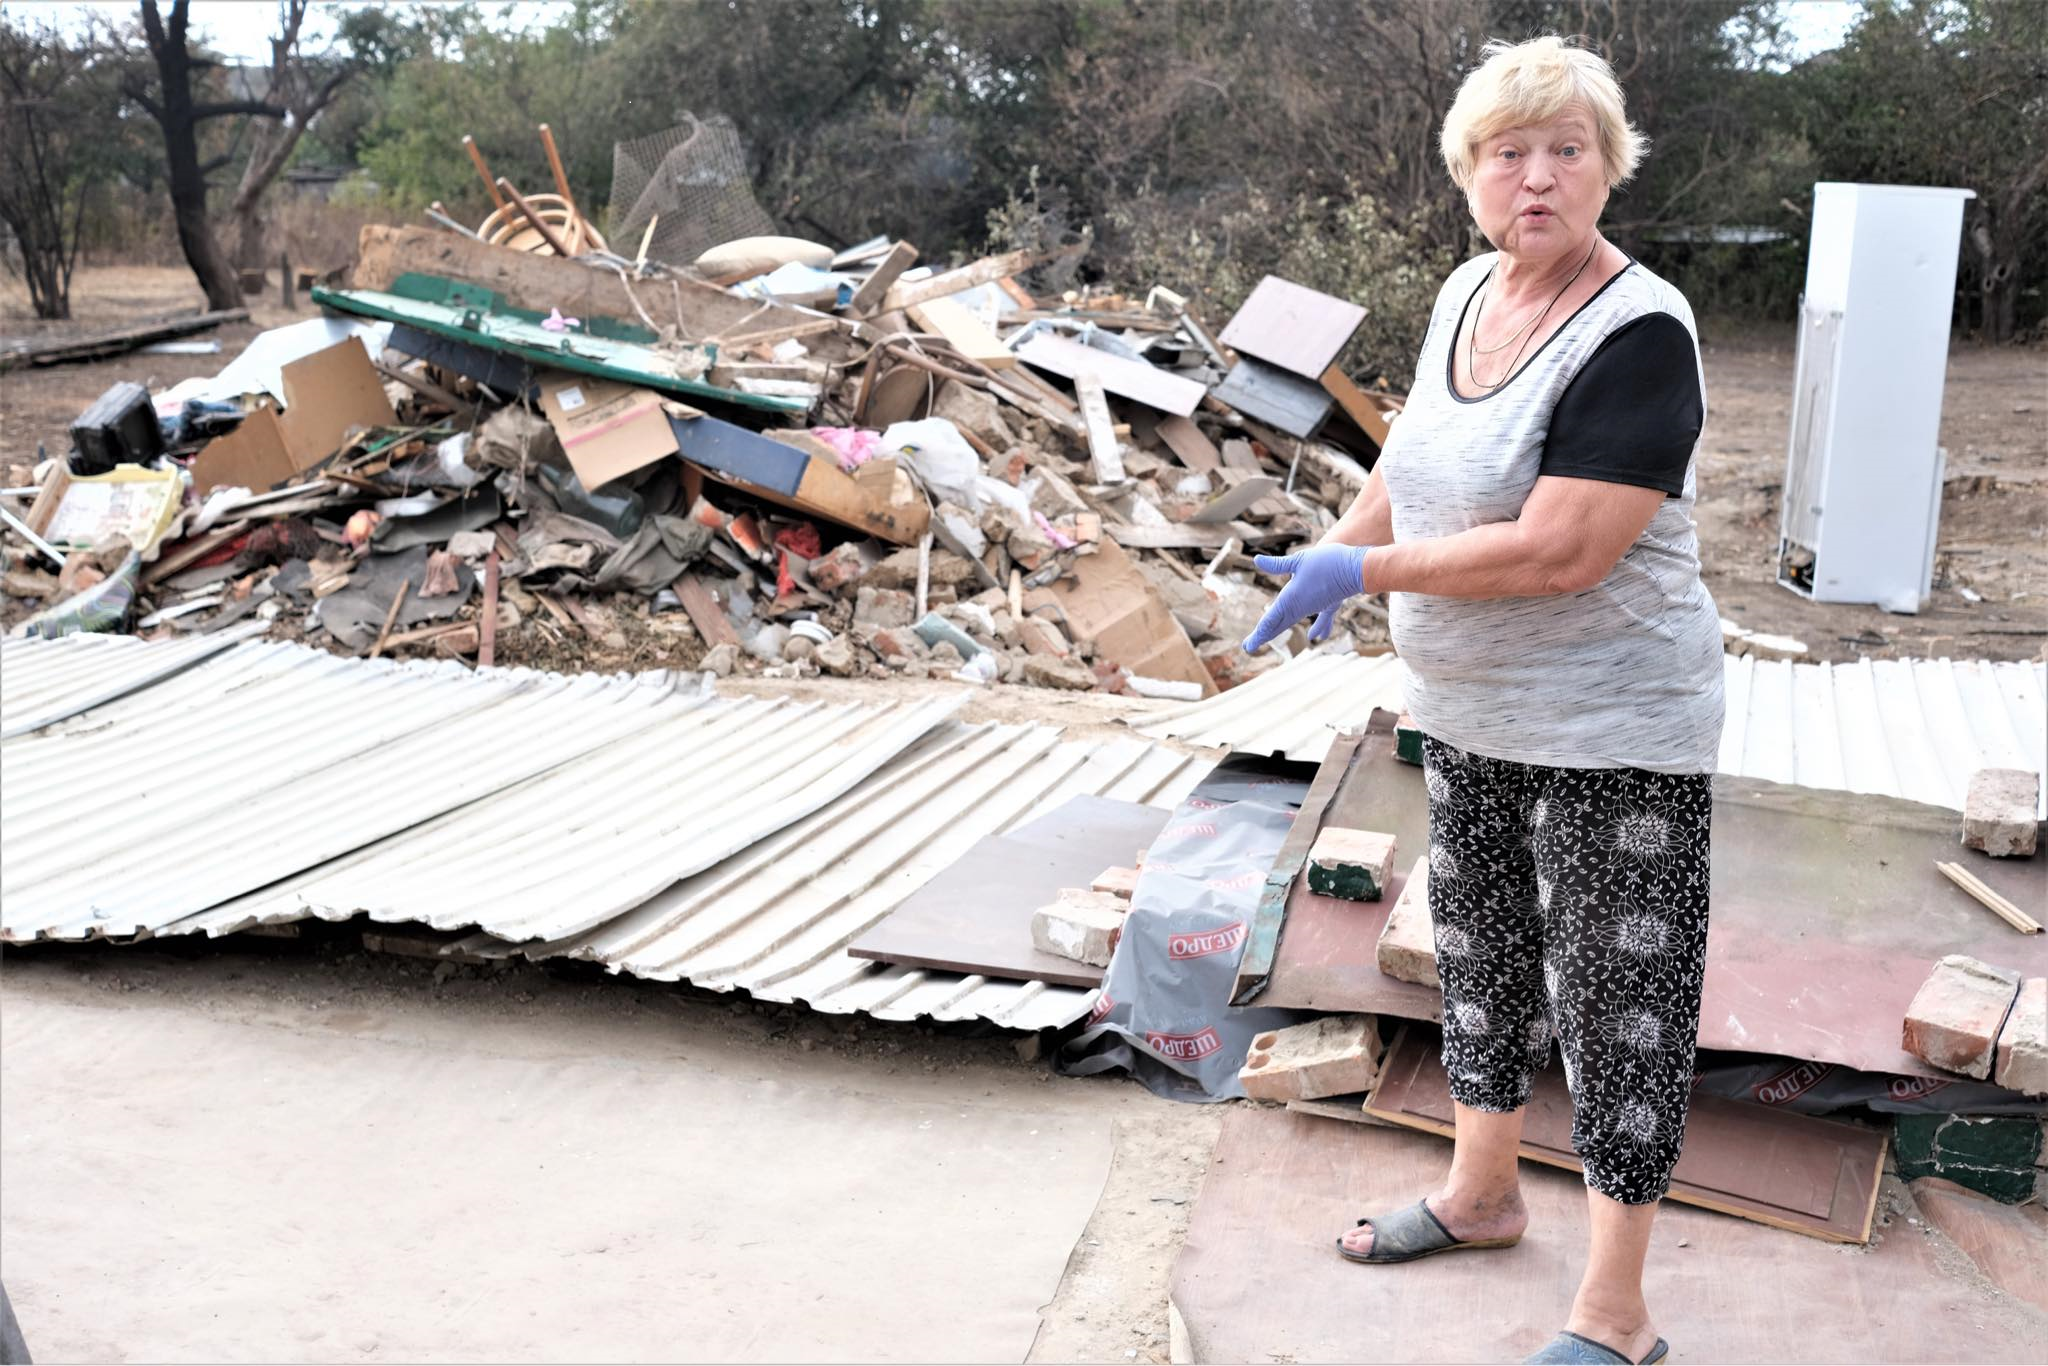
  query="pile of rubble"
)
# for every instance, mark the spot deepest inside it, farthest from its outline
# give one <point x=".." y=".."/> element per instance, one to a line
<point x="781" y="458"/>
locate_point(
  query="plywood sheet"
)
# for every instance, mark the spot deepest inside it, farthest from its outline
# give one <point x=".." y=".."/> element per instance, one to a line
<point x="1799" y="1172"/>
<point x="975" y="916"/>
<point x="1131" y="379"/>
<point x="1827" y="914"/>
<point x="1258" y="1278"/>
<point x="1292" y="326"/>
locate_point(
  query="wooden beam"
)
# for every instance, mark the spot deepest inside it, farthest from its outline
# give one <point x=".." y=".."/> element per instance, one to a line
<point x="1357" y="405"/>
<point x="705" y="613"/>
<point x="985" y="271"/>
<point x="867" y="300"/>
<point x="103" y="344"/>
<point x="1109" y="460"/>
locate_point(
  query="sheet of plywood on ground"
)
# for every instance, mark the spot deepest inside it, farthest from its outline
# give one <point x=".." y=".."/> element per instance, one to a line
<point x="541" y="283"/>
<point x="962" y="331"/>
<point x="1800" y="1172"/>
<point x="1827" y="913"/>
<point x="1292" y="326"/>
<point x="1132" y="379"/>
<point x="975" y="916"/>
<point x="1258" y="1279"/>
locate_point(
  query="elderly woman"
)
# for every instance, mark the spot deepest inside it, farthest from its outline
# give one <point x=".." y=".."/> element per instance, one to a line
<point x="1531" y="521"/>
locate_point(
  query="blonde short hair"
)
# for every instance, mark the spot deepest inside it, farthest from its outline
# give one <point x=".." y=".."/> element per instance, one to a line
<point x="1523" y="83"/>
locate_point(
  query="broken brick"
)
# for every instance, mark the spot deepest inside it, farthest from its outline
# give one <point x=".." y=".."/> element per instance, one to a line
<point x="839" y="566"/>
<point x="1956" y="1016"/>
<point x="883" y="606"/>
<point x="1999" y="812"/>
<point x="1081" y="925"/>
<point x="1045" y="671"/>
<point x="1120" y="882"/>
<point x="1334" y="1056"/>
<point x="1356" y="865"/>
<point x="1407" y="946"/>
<point x="2023" y="1043"/>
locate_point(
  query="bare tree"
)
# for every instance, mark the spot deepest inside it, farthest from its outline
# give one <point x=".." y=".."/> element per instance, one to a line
<point x="48" y="157"/>
<point x="294" y="96"/>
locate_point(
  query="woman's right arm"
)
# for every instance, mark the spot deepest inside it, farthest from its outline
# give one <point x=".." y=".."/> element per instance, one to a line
<point x="1368" y="521"/>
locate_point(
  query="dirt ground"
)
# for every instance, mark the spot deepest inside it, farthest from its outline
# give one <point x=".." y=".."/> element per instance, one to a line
<point x="1994" y="522"/>
<point x="121" y="1242"/>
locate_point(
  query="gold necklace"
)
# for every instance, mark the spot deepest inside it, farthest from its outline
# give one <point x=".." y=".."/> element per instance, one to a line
<point x="1472" y="351"/>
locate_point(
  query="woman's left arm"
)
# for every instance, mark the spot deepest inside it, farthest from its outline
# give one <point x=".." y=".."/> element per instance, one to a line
<point x="1570" y="534"/>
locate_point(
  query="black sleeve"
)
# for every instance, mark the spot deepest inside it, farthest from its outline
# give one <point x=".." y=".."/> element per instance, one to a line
<point x="1632" y="414"/>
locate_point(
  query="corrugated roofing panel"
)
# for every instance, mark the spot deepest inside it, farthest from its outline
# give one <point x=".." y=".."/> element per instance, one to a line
<point x="49" y="680"/>
<point x="1293" y="711"/>
<point x="776" y="919"/>
<point x="1899" y="728"/>
<point x="598" y="835"/>
<point x="263" y="761"/>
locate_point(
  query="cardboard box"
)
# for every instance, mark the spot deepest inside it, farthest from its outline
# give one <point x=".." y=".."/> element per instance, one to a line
<point x="327" y="395"/>
<point x="608" y="429"/>
<point x="1111" y="600"/>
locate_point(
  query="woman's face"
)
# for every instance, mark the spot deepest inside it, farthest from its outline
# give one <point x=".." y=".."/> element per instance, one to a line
<point x="1538" y="191"/>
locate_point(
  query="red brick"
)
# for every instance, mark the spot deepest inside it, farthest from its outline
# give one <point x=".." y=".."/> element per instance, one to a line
<point x="2023" y="1043"/>
<point x="1407" y="947"/>
<point x="1956" y="1015"/>
<point x="1334" y="1056"/>
<point x="1121" y="882"/>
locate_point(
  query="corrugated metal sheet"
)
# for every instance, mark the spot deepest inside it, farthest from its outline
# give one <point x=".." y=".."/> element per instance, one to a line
<point x="1897" y="728"/>
<point x="49" y="680"/>
<point x="776" y="919"/>
<point x="263" y="761"/>
<point x="1293" y="711"/>
<point x="599" y="835"/>
<point x="1915" y="729"/>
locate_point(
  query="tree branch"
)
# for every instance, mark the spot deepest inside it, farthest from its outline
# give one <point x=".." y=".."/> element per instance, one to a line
<point x="219" y="109"/>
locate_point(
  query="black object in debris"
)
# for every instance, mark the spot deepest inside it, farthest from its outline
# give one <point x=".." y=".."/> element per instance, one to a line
<point x="120" y="428"/>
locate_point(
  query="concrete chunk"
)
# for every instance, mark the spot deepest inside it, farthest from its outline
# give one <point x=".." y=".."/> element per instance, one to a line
<point x="1333" y="1056"/>
<point x="1356" y="865"/>
<point x="1998" y="813"/>
<point x="1407" y="947"/>
<point x="2023" y="1043"/>
<point x="1082" y="925"/>
<point x="1956" y="1016"/>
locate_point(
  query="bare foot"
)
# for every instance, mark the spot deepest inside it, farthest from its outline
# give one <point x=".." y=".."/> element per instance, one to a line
<point x="1468" y="1217"/>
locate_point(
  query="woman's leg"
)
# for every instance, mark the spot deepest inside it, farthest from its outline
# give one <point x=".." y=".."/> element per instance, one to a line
<point x="1622" y="867"/>
<point x="1482" y="896"/>
<point x="1610" y="1308"/>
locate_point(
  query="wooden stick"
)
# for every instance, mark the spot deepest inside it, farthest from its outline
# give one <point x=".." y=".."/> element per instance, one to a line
<point x="390" y="617"/>
<point x="1998" y="905"/>
<point x="533" y="216"/>
<point x="547" y="140"/>
<point x="487" y="639"/>
<point x="476" y="156"/>
<point x="640" y="261"/>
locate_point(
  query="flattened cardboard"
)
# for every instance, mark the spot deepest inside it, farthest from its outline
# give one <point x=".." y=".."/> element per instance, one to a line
<point x="607" y="429"/>
<point x="326" y="395"/>
<point x="1110" y="601"/>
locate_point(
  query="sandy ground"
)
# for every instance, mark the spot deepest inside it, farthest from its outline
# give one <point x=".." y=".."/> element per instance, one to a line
<point x="1994" y="525"/>
<point x="299" y="1151"/>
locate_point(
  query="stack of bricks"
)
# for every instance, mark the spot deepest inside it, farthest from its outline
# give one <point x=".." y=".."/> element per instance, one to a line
<point x="1983" y="1022"/>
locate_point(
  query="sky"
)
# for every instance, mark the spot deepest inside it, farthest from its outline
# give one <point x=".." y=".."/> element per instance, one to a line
<point x="241" y="28"/>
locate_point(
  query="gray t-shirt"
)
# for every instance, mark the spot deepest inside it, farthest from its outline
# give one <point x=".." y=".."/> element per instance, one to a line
<point x="1626" y="674"/>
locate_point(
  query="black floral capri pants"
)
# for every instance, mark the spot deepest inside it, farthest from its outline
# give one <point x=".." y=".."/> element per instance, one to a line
<point x="1573" y="902"/>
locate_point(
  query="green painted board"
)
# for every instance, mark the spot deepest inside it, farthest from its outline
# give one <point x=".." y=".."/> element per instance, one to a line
<point x="628" y="362"/>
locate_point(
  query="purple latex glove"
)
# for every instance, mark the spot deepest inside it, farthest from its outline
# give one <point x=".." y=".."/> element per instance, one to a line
<point x="1323" y="576"/>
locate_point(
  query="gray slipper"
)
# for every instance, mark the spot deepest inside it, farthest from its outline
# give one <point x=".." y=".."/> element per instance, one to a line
<point x="1414" y="1232"/>
<point x="1583" y="1351"/>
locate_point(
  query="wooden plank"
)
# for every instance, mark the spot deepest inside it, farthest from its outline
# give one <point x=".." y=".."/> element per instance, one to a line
<point x="1301" y="330"/>
<point x="1188" y="443"/>
<point x="1131" y="379"/>
<point x="1801" y="1173"/>
<point x="538" y="283"/>
<point x="487" y="640"/>
<point x="1234" y="501"/>
<point x="192" y="551"/>
<point x="703" y="609"/>
<point x="963" y="332"/>
<point x="938" y="286"/>
<point x="1263" y="941"/>
<point x="117" y="342"/>
<point x="1109" y="460"/>
<point x="1357" y="405"/>
<point x="1187" y="536"/>
<point x="867" y="300"/>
